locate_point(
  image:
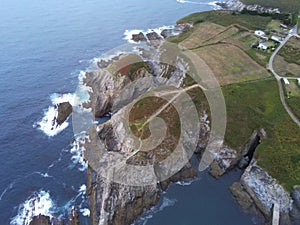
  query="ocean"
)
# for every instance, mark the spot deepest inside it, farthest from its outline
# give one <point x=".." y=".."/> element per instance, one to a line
<point x="44" y="47"/>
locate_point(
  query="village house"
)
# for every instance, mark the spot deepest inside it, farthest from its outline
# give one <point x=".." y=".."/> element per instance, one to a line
<point x="261" y="34"/>
<point x="263" y="46"/>
<point x="276" y="38"/>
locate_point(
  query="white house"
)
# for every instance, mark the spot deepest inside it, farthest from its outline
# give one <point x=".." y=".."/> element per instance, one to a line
<point x="261" y="34"/>
<point x="286" y="81"/>
<point x="276" y="38"/>
<point x="263" y="46"/>
<point x="298" y="81"/>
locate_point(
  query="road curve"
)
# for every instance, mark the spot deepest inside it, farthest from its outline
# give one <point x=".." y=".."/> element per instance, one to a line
<point x="278" y="78"/>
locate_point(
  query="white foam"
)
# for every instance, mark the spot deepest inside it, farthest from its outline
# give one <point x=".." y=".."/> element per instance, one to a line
<point x="82" y="189"/>
<point x="200" y="3"/>
<point x="85" y="212"/>
<point x="215" y="5"/>
<point x="128" y="33"/>
<point x="166" y="202"/>
<point x="77" y="151"/>
<point x="183" y="1"/>
<point x="48" y="124"/>
<point x="39" y="204"/>
<point x="184" y="183"/>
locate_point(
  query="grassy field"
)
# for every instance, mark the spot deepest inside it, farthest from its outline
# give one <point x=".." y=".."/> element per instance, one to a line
<point x="252" y="97"/>
<point x="226" y="18"/>
<point x="291" y="51"/>
<point x="253" y="105"/>
<point x="292" y="93"/>
<point x="283" y="5"/>
<point x="230" y="64"/>
<point x="215" y="27"/>
<point x="201" y="33"/>
<point x="287" y="63"/>
<point x="274" y="25"/>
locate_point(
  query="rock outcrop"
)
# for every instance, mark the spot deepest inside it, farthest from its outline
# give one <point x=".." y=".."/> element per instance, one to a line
<point x="239" y="6"/>
<point x="46" y="220"/>
<point x="115" y="197"/>
<point x="40" y="220"/>
<point x="64" y="110"/>
<point x="153" y="36"/>
<point x="261" y="192"/>
<point x="226" y="158"/>
<point x="139" y="37"/>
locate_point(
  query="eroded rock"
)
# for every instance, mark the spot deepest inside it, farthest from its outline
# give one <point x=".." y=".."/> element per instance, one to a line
<point x="139" y="37"/>
<point x="64" y="110"/>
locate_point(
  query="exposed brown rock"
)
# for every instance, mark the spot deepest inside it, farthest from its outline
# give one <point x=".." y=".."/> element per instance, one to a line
<point x="139" y="37"/>
<point x="153" y="36"/>
<point x="40" y="220"/>
<point x="64" y="110"/>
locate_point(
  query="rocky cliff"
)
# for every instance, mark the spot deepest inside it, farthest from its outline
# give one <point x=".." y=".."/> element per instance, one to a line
<point x="239" y="6"/>
<point x="123" y="180"/>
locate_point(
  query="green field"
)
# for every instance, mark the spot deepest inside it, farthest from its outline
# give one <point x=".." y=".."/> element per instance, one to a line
<point x="257" y="105"/>
<point x="283" y="5"/>
<point x="287" y="62"/>
<point x="226" y="18"/>
<point x="292" y="93"/>
<point x="251" y="103"/>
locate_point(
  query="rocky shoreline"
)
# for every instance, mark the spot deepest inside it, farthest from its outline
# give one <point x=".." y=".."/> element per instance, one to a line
<point x="237" y="5"/>
<point x="120" y="204"/>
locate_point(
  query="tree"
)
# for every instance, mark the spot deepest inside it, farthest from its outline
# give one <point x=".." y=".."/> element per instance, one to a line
<point x="294" y="18"/>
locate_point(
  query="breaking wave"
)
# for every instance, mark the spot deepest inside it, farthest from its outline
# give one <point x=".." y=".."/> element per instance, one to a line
<point x="38" y="204"/>
<point x="213" y="4"/>
<point x="128" y="33"/>
<point x="166" y="202"/>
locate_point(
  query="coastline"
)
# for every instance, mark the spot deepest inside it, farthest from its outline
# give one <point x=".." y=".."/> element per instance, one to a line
<point x="92" y="179"/>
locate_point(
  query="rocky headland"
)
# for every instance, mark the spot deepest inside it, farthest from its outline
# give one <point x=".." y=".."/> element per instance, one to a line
<point x="237" y="5"/>
<point x="115" y="86"/>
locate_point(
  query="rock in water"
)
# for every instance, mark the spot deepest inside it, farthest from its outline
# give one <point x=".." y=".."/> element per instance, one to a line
<point x="40" y="220"/>
<point x="139" y="37"/>
<point x="74" y="218"/>
<point x="64" y="110"/>
<point x="166" y="33"/>
<point x="153" y="36"/>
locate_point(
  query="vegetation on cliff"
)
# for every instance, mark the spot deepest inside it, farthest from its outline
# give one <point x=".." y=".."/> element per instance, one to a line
<point x="252" y="96"/>
<point x="283" y="5"/>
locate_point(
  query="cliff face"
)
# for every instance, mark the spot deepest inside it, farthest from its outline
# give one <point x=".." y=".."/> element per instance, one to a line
<point x="239" y="6"/>
<point x="123" y="180"/>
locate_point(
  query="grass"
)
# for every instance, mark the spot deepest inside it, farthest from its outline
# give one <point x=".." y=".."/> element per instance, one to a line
<point x="230" y="64"/>
<point x="225" y="18"/>
<point x="128" y="65"/>
<point x="279" y="154"/>
<point x="215" y="27"/>
<point x="284" y="68"/>
<point x="139" y="125"/>
<point x="252" y="97"/>
<point x="287" y="62"/>
<point x="291" y="51"/>
<point x="283" y="5"/>
<point x="201" y="33"/>
<point x="292" y="96"/>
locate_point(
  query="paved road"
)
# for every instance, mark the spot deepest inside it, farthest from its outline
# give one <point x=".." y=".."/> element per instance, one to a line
<point x="278" y="78"/>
